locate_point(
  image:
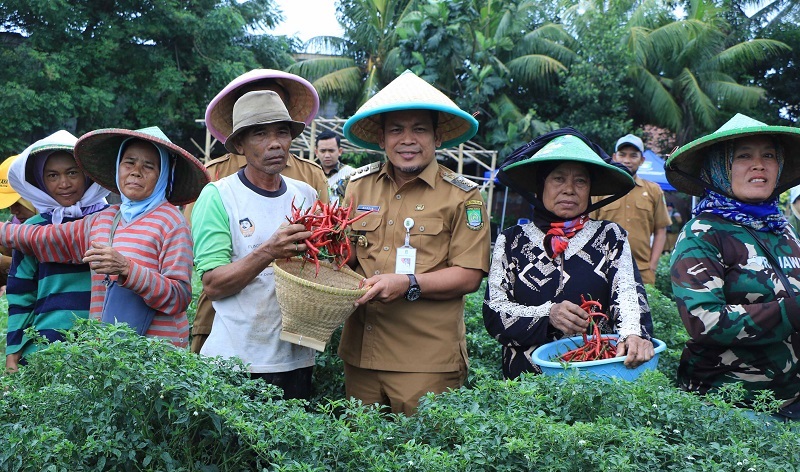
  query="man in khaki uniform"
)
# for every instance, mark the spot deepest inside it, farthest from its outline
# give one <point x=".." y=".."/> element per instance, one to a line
<point x="642" y="212"/>
<point x="424" y="246"/>
<point x="302" y="102"/>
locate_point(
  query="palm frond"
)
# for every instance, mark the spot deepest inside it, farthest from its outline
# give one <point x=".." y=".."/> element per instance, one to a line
<point x="696" y="100"/>
<point x="392" y="65"/>
<point x="655" y="100"/>
<point x="331" y="45"/>
<point x="669" y="41"/>
<point x="552" y="32"/>
<point x="341" y="84"/>
<point x="535" y="69"/>
<point x="749" y="53"/>
<point x="312" y="69"/>
<point x="639" y="44"/>
<point x="733" y="95"/>
<point x="506" y="109"/>
<point x="545" y="47"/>
<point x="505" y="26"/>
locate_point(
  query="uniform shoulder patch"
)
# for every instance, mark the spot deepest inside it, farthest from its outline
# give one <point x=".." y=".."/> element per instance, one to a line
<point x="366" y="170"/>
<point x="220" y="159"/>
<point x="306" y="161"/>
<point x="459" y="181"/>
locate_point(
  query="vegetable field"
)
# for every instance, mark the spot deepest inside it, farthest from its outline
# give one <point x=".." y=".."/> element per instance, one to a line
<point x="109" y="400"/>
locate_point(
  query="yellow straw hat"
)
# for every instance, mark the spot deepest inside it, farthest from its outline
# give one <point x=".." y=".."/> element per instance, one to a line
<point x="9" y="196"/>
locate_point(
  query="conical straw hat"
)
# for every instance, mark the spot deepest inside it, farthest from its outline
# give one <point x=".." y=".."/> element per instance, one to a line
<point x="684" y="165"/>
<point x="607" y="179"/>
<point x="409" y="92"/>
<point x="96" y="153"/>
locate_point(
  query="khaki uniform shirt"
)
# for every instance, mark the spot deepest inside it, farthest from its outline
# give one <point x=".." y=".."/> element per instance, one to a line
<point x="450" y="229"/>
<point x="641" y="212"/>
<point x="296" y="168"/>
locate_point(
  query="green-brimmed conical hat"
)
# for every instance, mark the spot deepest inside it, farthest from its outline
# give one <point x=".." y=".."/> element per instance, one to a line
<point x="607" y="179"/>
<point x="684" y="165"/>
<point x="409" y="92"/>
<point x="96" y="153"/>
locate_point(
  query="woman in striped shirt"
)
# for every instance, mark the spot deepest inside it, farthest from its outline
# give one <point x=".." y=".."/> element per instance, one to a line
<point x="141" y="249"/>
<point x="48" y="296"/>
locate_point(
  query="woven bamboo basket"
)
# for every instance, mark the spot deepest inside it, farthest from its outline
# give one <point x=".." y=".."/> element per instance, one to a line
<point x="314" y="306"/>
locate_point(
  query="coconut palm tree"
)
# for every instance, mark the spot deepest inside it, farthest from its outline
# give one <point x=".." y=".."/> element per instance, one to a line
<point x="495" y="57"/>
<point x="766" y="13"/>
<point x="685" y="71"/>
<point x="360" y="63"/>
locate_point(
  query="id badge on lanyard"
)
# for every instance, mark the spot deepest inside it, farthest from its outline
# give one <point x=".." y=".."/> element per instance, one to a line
<point x="406" y="260"/>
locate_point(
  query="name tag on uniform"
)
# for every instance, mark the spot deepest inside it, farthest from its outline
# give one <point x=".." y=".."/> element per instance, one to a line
<point x="406" y="260"/>
<point x="406" y="254"/>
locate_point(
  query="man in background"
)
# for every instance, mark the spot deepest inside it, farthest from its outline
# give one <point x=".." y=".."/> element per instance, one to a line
<point x="328" y="148"/>
<point x="642" y="212"/>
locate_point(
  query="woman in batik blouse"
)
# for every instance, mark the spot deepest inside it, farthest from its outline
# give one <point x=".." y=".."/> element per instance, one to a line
<point x="540" y="270"/>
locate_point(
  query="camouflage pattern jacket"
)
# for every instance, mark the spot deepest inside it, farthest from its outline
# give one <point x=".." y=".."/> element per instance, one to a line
<point x="742" y="325"/>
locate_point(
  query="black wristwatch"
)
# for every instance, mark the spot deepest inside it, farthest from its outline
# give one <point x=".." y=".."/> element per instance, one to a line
<point x="413" y="292"/>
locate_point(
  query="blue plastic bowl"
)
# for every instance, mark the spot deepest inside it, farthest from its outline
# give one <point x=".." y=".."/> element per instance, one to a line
<point x="543" y="357"/>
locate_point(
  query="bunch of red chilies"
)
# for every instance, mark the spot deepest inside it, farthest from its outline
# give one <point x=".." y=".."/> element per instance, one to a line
<point x="329" y="225"/>
<point x="597" y="347"/>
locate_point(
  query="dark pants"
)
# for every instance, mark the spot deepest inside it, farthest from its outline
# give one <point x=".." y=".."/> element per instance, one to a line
<point x="295" y="383"/>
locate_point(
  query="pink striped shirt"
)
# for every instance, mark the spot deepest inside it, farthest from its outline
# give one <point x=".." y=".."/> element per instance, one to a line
<point x="158" y="246"/>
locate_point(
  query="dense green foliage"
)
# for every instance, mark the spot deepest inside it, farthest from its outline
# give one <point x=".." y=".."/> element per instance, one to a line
<point x="91" y="64"/>
<point x="606" y="68"/>
<point x="110" y="400"/>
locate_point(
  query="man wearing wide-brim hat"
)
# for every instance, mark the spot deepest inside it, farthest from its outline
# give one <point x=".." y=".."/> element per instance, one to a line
<point x="239" y="229"/>
<point x="302" y="103"/>
<point x="424" y="246"/>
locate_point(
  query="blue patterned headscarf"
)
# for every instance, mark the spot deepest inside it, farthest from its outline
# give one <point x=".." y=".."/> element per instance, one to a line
<point x="131" y="209"/>
<point x="716" y="171"/>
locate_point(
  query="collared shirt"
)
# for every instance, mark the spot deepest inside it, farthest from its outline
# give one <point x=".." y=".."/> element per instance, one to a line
<point x="337" y="180"/>
<point x="296" y="168"/>
<point x="640" y="213"/>
<point x="450" y="229"/>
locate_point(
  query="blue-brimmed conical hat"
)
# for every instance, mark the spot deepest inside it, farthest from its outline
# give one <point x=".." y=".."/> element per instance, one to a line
<point x="684" y="165"/>
<point x="409" y="92"/>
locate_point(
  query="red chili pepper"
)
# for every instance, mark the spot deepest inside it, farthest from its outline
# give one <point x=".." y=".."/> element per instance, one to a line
<point x="330" y="233"/>
<point x="598" y="346"/>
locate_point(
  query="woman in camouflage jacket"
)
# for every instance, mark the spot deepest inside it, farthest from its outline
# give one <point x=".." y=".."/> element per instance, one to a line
<point x="743" y="321"/>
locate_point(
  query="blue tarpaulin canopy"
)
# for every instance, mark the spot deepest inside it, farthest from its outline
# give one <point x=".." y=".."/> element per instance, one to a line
<point x="652" y="169"/>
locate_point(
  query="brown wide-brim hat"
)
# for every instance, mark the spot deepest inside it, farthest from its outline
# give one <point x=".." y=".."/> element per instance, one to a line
<point x="260" y="108"/>
<point x="409" y="92"/>
<point x="96" y="153"/>
<point x="302" y="102"/>
<point x="684" y="165"/>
